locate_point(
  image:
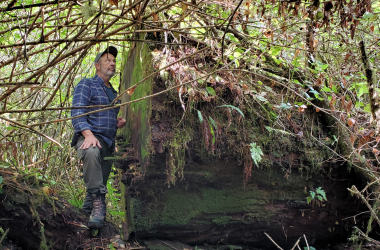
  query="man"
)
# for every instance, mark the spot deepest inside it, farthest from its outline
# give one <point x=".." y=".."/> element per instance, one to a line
<point x="95" y="133"/>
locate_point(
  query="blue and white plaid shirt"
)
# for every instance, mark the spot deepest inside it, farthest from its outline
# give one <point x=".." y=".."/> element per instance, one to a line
<point x="92" y="91"/>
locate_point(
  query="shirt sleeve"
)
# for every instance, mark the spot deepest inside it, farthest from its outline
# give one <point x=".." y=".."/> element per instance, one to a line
<point x="81" y="97"/>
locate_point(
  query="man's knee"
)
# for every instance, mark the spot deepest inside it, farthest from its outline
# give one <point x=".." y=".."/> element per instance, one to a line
<point x="91" y="153"/>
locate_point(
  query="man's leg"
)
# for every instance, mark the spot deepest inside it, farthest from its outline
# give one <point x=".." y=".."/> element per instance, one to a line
<point x="95" y="171"/>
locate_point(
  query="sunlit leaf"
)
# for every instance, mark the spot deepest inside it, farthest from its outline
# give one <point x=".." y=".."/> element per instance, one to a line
<point x="211" y="91"/>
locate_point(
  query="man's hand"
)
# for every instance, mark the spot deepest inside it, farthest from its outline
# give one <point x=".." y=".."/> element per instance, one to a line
<point x="89" y="140"/>
<point x="120" y="122"/>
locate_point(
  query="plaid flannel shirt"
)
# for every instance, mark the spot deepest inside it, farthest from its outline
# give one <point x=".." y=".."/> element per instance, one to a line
<point x="91" y="91"/>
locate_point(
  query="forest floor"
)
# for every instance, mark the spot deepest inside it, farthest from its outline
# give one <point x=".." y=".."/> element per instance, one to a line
<point x="33" y="217"/>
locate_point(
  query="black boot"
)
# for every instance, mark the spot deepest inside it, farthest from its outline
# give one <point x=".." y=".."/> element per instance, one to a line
<point x="87" y="203"/>
<point x="98" y="212"/>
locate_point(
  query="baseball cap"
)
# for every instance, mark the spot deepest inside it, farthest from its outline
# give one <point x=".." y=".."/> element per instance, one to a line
<point x="111" y="49"/>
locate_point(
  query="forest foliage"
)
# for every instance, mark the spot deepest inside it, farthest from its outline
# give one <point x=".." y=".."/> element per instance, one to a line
<point x="322" y="54"/>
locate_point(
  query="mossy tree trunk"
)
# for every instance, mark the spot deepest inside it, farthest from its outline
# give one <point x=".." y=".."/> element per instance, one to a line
<point x="136" y="66"/>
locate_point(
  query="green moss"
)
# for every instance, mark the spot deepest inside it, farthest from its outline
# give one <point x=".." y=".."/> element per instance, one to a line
<point x="176" y="155"/>
<point x="222" y="220"/>
<point x="208" y="205"/>
<point x="137" y="66"/>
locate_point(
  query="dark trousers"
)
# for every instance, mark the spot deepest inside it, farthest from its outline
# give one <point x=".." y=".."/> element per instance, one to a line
<point x="96" y="169"/>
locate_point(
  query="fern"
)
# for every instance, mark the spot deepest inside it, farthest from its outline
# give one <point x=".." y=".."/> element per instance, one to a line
<point x="256" y="153"/>
<point x="232" y="107"/>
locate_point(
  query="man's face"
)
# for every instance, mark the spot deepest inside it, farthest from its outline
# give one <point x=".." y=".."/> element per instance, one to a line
<point x="106" y="65"/>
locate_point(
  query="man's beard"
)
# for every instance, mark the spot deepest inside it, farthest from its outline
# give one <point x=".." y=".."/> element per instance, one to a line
<point x="110" y="73"/>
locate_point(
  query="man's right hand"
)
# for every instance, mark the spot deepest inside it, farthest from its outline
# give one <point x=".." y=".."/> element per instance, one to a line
<point x="89" y="140"/>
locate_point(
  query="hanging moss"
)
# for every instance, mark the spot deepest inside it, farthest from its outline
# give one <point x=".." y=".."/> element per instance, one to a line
<point x="176" y="155"/>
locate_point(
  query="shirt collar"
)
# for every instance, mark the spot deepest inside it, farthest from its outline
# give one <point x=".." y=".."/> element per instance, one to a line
<point x="99" y="79"/>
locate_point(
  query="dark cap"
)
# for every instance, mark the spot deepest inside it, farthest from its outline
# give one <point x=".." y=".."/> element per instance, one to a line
<point x="111" y="49"/>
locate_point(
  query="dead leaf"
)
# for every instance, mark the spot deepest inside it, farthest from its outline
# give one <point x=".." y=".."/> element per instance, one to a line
<point x="184" y="7"/>
<point x="46" y="190"/>
<point x="268" y="33"/>
<point x="114" y="2"/>
<point x="332" y="102"/>
<point x="245" y="86"/>
<point x="315" y="43"/>
<point x="351" y="122"/>
<point x="131" y="90"/>
<point x="319" y="80"/>
<point x="155" y="17"/>
<point x="353" y="138"/>
<point x="343" y="101"/>
<point x="296" y="54"/>
<point x="342" y="117"/>
<point x="344" y="82"/>
<point x="375" y="151"/>
<point x="348" y="106"/>
<point x="302" y="108"/>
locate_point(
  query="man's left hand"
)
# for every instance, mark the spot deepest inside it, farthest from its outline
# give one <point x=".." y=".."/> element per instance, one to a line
<point x="120" y="122"/>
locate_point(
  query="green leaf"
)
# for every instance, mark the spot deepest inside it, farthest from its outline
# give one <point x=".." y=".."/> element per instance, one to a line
<point x="297" y="82"/>
<point x="367" y="108"/>
<point x="256" y="153"/>
<point x="310" y="248"/>
<point x="274" y="51"/>
<point x="213" y="122"/>
<point x="212" y="133"/>
<point x="10" y="127"/>
<point x="312" y="194"/>
<point x="1" y="179"/>
<point x="200" y="117"/>
<point x="326" y="89"/>
<point x="285" y="106"/>
<point x="232" y="107"/>
<point x="211" y="91"/>
<point x="321" y="192"/>
<point x="261" y="98"/>
<point x="308" y="199"/>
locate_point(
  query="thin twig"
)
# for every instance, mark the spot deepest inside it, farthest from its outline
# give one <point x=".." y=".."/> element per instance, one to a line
<point x="355" y="191"/>
<point x="228" y="24"/>
<point x="307" y="244"/>
<point x="296" y="244"/>
<point x="267" y="235"/>
<point x="31" y="129"/>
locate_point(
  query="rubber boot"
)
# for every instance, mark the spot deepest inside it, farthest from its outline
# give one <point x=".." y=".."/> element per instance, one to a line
<point x="87" y="204"/>
<point x="98" y="212"/>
